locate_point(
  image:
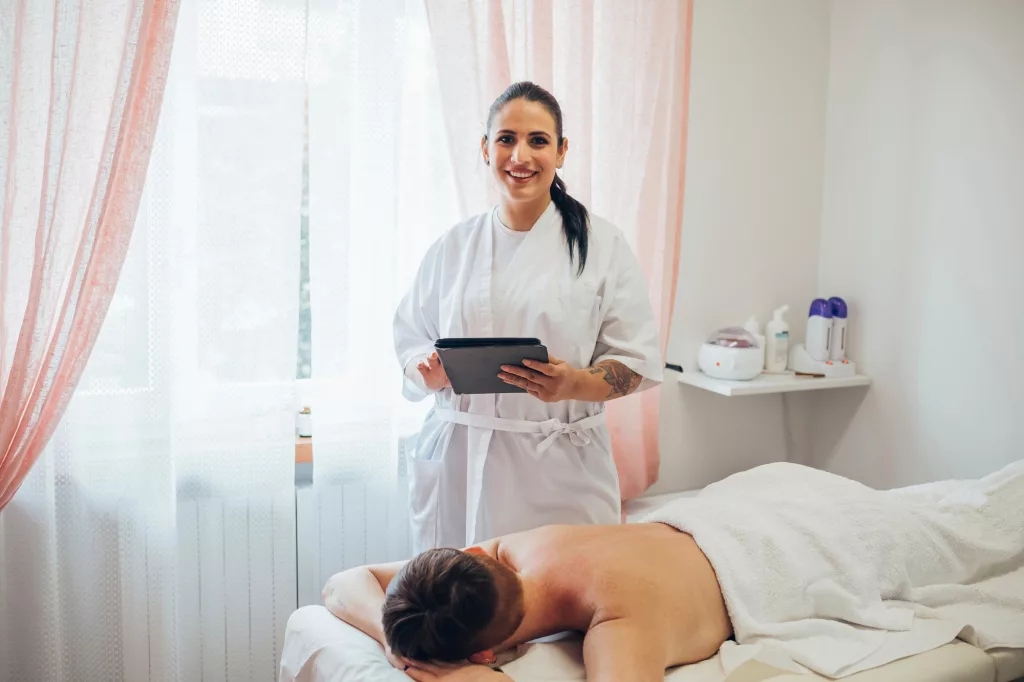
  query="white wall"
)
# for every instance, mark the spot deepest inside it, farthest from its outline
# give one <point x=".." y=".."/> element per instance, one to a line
<point x="923" y="231"/>
<point x="751" y="215"/>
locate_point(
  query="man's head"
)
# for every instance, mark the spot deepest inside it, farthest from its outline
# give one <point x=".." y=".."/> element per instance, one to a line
<point x="447" y="605"/>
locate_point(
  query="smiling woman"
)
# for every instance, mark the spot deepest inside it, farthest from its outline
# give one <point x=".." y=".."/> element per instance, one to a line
<point x="537" y="265"/>
<point x="527" y="148"/>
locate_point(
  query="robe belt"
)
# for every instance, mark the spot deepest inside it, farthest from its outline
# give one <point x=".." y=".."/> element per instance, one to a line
<point x="551" y="429"/>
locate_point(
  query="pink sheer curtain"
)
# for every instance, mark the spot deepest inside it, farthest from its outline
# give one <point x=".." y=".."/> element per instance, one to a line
<point x="80" y="91"/>
<point x="620" y="70"/>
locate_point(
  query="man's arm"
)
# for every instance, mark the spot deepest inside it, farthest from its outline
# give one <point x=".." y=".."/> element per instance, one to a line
<point x="623" y="649"/>
<point x="357" y="595"/>
<point x="428" y="672"/>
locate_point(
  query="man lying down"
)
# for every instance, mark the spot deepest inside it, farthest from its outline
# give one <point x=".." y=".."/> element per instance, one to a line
<point x="821" y="571"/>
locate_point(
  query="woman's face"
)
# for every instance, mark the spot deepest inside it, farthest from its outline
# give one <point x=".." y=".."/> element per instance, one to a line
<point x="522" y="151"/>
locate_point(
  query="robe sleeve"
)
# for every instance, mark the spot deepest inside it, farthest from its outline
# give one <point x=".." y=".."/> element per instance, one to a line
<point x="629" y="333"/>
<point x="416" y="325"/>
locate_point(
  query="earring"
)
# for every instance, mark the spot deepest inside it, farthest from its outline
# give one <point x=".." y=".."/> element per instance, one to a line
<point x="487" y="162"/>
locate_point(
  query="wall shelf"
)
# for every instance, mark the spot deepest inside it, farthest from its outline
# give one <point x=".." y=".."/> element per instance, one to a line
<point x="769" y="383"/>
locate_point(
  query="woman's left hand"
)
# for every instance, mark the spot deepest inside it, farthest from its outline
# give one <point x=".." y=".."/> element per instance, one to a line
<point x="550" y="381"/>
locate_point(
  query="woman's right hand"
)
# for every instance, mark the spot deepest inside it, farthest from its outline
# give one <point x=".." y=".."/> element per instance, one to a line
<point x="433" y="373"/>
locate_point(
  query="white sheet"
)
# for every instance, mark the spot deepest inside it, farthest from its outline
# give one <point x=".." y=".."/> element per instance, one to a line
<point x="320" y="648"/>
<point x="1009" y="664"/>
<point x="642" y="506"/>
<point x="840" y="578"/>
<point x="955" y="662"/>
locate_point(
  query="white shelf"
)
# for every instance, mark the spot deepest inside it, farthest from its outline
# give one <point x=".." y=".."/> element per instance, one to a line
<point x="768" y="383"/>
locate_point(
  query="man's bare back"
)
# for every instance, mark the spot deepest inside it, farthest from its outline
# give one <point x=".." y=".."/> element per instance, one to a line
<point x="649" y="583"/>
<point x="644" y="594"/>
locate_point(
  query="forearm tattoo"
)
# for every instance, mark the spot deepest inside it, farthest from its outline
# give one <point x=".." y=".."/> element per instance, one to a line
<point x="622" y="379"/>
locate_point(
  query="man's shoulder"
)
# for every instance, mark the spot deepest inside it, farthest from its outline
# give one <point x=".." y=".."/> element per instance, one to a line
<point x="533" y="546"/>
<point x="556" y="547"/>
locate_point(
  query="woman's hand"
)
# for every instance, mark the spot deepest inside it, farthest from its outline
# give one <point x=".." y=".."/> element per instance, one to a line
<point x="433" y="373"/>
<point x="558" y="380"/>
<point x="548" y="381"/>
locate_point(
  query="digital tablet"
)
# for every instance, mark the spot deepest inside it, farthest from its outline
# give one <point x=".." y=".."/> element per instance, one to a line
<point x="473" y="364"/>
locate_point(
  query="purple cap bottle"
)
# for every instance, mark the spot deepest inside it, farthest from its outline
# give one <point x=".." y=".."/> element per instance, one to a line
<point x="837" y="348"/>
<point x="821" y="308"/>
<point x="819" y="329"/>
<point x="838" y="306"/>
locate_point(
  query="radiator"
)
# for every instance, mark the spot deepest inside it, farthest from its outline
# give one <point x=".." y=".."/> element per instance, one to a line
<point x="346" y="525"/>
<point x="236" y="581"/>
<point x="111" y="582"/>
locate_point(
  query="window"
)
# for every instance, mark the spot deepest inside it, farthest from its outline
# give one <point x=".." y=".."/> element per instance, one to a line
<point x="305" y="361"/>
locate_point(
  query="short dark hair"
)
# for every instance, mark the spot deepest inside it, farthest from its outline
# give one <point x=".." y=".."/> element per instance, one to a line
<point x="442" y="604"/>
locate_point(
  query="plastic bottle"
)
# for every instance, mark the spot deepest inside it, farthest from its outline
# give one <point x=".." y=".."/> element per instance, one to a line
<point x="837" y="350"/>
<point x="754" y="328"/>
<point x="819" y="329"/>
<point x="304" y="423"/>
<point x="777" y="337"/>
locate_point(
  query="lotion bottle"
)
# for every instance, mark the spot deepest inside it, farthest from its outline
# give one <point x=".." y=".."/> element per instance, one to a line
<point x="754" y="328"/>
<point x="777" y="340"/>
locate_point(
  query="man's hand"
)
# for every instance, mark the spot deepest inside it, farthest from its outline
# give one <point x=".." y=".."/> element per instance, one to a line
<point x="433" y="373"/>
<point x="550" y="381"/>
<point x="431" y="672"/>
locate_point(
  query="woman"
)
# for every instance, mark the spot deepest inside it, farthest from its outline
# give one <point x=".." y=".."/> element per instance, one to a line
<point x="537" y="265"/>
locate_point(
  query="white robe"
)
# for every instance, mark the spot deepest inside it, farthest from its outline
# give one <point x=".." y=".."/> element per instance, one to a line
<point x="468" y="483"/>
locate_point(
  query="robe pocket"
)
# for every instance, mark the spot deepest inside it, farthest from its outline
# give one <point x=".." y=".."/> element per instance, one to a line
<point x="581" y="321"/>
<point x="424" y="498"/>
<point x="580" y="300"/>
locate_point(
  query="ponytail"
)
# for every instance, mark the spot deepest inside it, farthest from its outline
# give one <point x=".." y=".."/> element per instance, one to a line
<point x="575" y="223"/>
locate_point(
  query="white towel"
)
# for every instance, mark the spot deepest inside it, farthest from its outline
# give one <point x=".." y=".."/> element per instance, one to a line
<point x="838" y="577"/>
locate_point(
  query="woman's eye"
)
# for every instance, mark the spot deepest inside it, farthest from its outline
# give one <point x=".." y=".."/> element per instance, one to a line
<point x="505" y="139"/>
<point x="540" y="141"/>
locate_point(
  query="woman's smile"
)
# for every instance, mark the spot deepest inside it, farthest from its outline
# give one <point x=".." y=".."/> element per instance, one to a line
<point x="520" y="176"/>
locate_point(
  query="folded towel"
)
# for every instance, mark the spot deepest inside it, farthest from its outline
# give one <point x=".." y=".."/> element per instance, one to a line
<point x="839" y="578"/>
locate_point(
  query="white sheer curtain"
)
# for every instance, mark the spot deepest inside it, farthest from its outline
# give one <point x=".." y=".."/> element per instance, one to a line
<point x="381" y="191"/>
<point x="620" y="71"/>
<point x="155" y="538"/>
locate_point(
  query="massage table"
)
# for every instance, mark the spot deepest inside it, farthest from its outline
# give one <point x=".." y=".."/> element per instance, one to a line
<point x="320" y="648"/>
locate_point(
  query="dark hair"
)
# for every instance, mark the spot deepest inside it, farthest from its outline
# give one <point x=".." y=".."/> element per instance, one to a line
<point x="575" y="221"/>
<point x="441" y="605"/>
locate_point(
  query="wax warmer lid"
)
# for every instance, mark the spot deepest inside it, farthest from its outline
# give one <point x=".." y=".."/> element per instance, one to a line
<point x="733" y="337"/>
